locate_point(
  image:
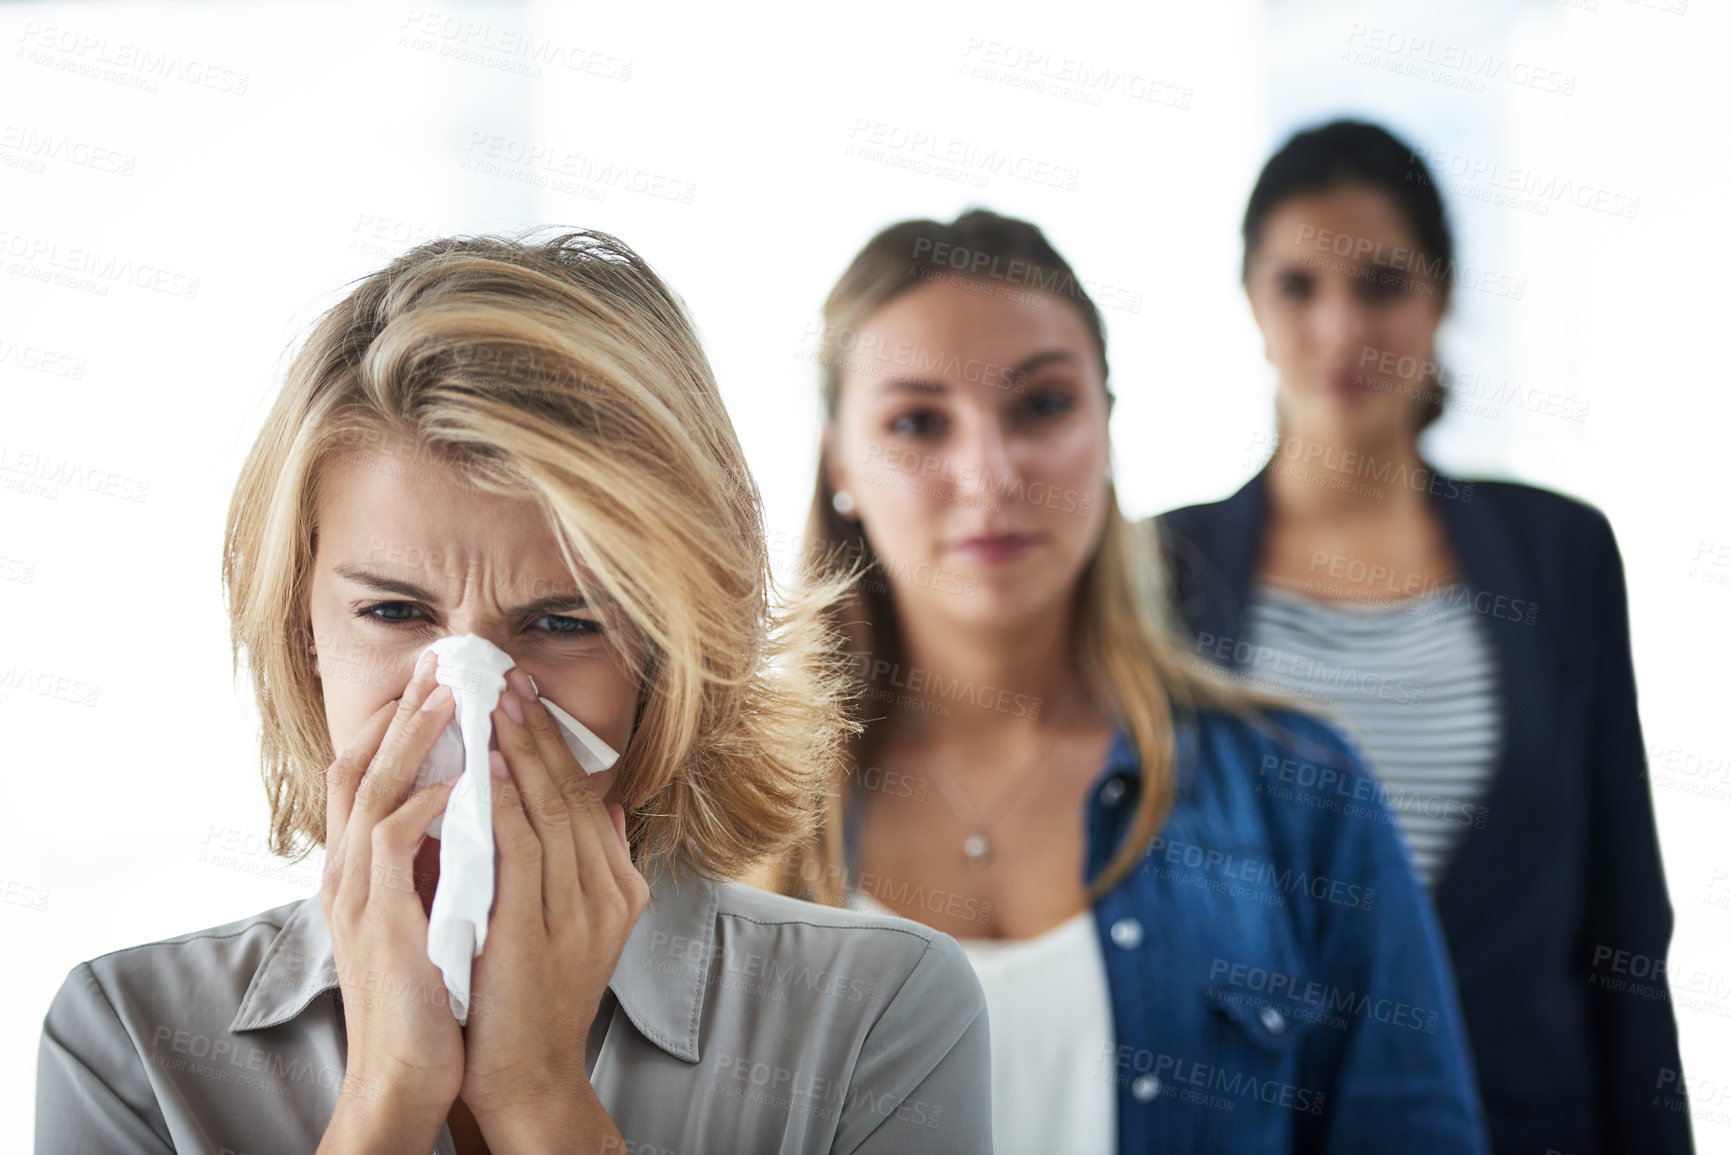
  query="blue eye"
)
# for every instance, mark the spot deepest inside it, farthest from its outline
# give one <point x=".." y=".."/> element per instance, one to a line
<point x="407" y="613"/>
<point x="393" y="612"/>
<point x="567" y="625"/>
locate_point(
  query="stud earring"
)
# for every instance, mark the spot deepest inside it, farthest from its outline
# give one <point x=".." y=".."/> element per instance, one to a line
<point x="842" y="502"/>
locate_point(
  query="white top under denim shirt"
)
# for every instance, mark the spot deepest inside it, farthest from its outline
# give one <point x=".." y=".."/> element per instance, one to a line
<point x="1246" y="915"/>
<point x="1053" y="1085"/>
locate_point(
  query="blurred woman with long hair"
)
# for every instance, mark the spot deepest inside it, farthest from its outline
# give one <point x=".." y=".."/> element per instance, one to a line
<point x="1177" y="955"/>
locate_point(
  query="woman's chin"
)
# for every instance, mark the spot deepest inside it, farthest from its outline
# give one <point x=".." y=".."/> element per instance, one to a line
<point x="1006" y="602"/>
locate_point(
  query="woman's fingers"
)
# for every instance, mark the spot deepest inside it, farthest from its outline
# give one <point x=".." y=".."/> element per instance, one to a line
<point x="343" y="778"/>
<point x="559" y="921"/>
<point x="522" y="858"/>
<point x="542" y="805"/>
<point x="422" y="712"/>
<point x="591" y="828"/>
<point x="602" y="849"/>
<point x="397" y="1023"/>
<point x="398" y="837"/>
<point x="412" y="725"/>
<point x="530" y="736"/>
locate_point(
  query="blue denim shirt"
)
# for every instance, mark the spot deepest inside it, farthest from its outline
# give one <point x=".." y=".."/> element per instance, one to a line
<point x="1278" y="978"/>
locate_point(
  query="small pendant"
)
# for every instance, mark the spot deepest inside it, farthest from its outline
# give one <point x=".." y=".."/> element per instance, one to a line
<point x="977" y="850"/>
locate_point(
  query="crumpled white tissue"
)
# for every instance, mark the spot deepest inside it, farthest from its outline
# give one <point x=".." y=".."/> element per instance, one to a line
<point x="475" y="670"/>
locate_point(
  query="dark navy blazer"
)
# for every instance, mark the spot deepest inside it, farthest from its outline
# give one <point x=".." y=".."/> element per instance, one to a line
<point x="1558" y="898"/>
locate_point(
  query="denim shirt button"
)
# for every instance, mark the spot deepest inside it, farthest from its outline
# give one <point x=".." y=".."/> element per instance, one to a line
<point x="1145" y="1087"/>
<point x="1127" y="933"/>
<point x="1273" y="1020"/>
<point x="1112" y="791"/>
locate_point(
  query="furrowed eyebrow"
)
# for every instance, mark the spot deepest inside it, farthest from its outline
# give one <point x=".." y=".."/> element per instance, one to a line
<point x="384" y="583"/>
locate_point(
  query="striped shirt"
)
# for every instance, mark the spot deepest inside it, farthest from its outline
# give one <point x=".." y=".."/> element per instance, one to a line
<point x="1413" y="681"/>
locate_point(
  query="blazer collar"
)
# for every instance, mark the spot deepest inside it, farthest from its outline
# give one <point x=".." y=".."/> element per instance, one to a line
<point x="1236" y="543"/>
<point x="660" y="981"/>
<point x="1234" y="547"/>
<point x="1239" y="544"/>
<point x="1489" y="549"/>
<point x="1227" y="561"/>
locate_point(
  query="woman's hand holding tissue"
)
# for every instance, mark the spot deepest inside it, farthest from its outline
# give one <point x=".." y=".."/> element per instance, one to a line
<point x="405" y="1051"/>
<point x="568" y="896"/>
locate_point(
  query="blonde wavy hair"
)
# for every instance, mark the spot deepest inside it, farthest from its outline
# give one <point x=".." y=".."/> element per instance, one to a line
<point x="1127" y="642"/>
<point x="566" y="371"/>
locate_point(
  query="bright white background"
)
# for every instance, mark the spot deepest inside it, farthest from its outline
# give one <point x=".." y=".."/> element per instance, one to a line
<point x="277" y="151"/>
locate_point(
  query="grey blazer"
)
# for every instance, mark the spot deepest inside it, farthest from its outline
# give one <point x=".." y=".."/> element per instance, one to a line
<point x="737" y="1022"/>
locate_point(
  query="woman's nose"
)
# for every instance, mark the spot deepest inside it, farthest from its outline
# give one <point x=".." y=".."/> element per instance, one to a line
<point x="465" y="623"/>
<point x="984" y="454"/>
<point x="1341" y="327"/>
